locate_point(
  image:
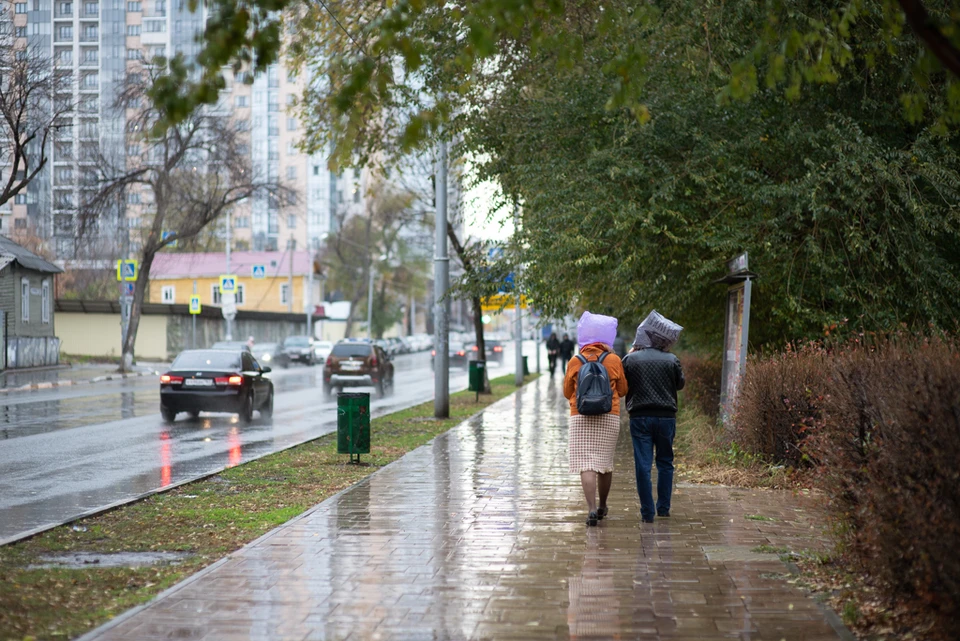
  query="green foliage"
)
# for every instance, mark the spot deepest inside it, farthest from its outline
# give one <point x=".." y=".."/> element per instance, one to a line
<point x="395" y="73"/>
<point x="847" y="210"/>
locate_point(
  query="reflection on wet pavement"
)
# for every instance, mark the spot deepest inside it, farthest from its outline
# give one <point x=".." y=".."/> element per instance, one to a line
<point x="480" y="535"/>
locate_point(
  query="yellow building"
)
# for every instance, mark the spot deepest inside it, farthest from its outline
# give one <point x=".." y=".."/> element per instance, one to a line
<point x="266" y="281"/>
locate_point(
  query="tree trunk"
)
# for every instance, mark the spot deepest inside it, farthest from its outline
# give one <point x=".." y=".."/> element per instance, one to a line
<point x="139" y="294"/>
<point x="481" y="342"/>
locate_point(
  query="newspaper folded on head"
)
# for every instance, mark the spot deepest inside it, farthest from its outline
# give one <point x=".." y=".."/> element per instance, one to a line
<point x="657" y="331"/>
<point x="596" y="328"/>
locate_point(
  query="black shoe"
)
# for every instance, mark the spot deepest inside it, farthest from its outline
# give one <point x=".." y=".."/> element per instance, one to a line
<point x="601" y="512"/>
<point x="663" y="513"/>
<point x="648" y="520"/>
<point x="592" y="518"/>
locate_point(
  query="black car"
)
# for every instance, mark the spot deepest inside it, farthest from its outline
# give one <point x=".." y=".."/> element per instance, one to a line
<point x="493" y="350"/>
<point x="456" y="357"/>
<point x="207" y="380"/>
<point x="299" y="349"/>
<point x="270" y="354"/>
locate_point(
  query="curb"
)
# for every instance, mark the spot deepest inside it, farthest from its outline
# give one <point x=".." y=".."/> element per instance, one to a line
<point x="56" y="384"/>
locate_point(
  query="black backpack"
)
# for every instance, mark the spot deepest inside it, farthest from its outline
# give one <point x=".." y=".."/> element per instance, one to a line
<point x="594" y="395"/>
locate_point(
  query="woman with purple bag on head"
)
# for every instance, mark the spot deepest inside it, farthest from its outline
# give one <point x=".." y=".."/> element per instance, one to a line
<point x="594" y="383"/>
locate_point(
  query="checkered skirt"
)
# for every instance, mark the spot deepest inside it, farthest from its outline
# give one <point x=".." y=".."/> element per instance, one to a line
<point x="592" y="442"/>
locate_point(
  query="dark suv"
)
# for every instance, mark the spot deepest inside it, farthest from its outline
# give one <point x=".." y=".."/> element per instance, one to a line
<point x="298" y="349"/>
<point x="358" y="364"/>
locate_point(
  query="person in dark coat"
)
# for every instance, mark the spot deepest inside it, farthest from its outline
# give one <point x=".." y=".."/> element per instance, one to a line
<point x="566" y="352"/>
<point x="553" y="352"/>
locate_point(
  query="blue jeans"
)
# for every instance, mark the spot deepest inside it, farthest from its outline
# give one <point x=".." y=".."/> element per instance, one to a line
<point x="649" y="433"/>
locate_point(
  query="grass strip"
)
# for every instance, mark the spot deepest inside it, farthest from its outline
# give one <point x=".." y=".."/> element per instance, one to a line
<point x="207" y="519"/>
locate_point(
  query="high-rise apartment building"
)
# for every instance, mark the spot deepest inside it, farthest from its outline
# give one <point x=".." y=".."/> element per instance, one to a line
<point x="103" y="44"/>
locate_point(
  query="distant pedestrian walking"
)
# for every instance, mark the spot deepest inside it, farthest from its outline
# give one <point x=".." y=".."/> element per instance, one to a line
<point x="553" y="353"/>
<point x="566" y="352"/>
<point x="594" y="383"/>
<point x="653" y="378"/>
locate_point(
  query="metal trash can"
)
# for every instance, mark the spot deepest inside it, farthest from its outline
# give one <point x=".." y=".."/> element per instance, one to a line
<point x="526" y="370"/>
<point x="353" y="424"/>
<point x="475" y="378"/>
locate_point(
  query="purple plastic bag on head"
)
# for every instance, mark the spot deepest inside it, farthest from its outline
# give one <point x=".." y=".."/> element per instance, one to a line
<point x="596" y="328"/>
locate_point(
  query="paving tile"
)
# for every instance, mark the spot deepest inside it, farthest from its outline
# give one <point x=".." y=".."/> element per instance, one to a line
<point x="480" y="535"/>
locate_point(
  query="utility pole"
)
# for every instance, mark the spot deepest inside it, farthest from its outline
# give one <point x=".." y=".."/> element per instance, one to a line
<point x="229" y="335"/>
<point x="193" y="317"/>
<point x="308" y="304"/>
<point x="290" y="246"/>
<point x="518" y="376"/>
<point x="370" y="302"/>
<point x="441" y="277"/>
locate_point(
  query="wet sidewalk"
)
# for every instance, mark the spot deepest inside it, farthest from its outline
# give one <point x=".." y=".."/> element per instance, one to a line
<point x="17" y="380"/>
<point x="480" y="535"/>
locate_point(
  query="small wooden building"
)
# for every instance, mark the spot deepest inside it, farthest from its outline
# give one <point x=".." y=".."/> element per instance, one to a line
<point x="26" y="302"/>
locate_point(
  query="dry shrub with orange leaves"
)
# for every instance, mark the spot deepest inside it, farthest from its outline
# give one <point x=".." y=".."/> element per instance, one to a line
<point x="880" y="423"/>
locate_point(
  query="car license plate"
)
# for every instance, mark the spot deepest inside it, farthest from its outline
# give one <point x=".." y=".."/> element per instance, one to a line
<point x="198" y="382"/>
<point x="350" y="365"/>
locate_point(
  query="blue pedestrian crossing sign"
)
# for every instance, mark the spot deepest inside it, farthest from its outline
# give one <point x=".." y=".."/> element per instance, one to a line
<point x="228" y="284"/>
<point x="169" y="234"/>
<point x="195" y="306"/>
<point x="259" y="271"/>
<point x="126" y="270"/>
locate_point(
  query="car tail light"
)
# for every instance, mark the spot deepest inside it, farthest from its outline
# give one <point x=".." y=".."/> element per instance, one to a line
<point x="433" y="352"/>
<point x="228" y="380"/>
<point x="498" y="349"/>
<point x="166" y="379"/>
<point x="475" y="348"/>
<point x="461" y="353"/>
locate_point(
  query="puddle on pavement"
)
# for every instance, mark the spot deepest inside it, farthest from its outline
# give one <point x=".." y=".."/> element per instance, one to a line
<point x="87" y="560"/>
<point x="724" y="553"/>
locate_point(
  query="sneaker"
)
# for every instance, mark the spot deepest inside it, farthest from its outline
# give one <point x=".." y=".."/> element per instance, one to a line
<point x="592" y="518"/>
<point x="663" y="513"/>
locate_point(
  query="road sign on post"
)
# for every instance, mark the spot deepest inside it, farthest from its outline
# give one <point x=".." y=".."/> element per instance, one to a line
<point x="228" y="284"/>
<point x="195" y="306"/>
<point x="128" y="289"/>
<point x="259" y="271"/>
<point x="126" y="270"/>
<point x="169" y="234"/>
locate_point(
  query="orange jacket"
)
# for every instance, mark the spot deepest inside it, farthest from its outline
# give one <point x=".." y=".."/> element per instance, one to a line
<point x="618" y="382"/>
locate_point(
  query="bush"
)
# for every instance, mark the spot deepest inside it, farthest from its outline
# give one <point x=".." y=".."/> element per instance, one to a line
<point x="779" y="402"/>
<point x="882" y="423"/>
<point x="703" y="382"/>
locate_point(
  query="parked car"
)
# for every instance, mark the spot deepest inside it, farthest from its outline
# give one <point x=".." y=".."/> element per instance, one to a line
<point x="492" y="348"/>
<point x="231" y="345"/>
<point x="270" y="354"/>
<point x="322" y="349"/>
<point x="457" y="356"/>
<point x="299" y="349"/>
<point x="216" y="380"/>
<point x="358" y="364"/>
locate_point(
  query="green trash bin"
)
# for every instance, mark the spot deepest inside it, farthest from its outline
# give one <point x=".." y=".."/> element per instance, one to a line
<point x="526" y="371"/>
<point x="475" y="378"/>
<point x="353" y="424"/>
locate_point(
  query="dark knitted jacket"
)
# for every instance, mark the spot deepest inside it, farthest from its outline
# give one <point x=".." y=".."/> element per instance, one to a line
<point x="653" y="379"/>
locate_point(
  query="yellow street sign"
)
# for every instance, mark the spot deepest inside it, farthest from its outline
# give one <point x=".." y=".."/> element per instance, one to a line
<point x="195" y="306"/>
<point x="126" y="270"/>
<point x="228" y="284"/>
<point x="501" y="301"/>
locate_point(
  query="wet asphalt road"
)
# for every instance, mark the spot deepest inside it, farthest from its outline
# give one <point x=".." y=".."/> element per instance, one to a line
<point x="68" y="451"/>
